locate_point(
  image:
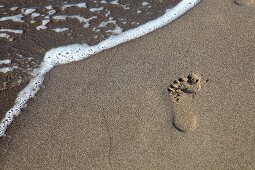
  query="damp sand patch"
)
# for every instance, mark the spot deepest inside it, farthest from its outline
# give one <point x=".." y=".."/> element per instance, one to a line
<point x="76" y="52"/>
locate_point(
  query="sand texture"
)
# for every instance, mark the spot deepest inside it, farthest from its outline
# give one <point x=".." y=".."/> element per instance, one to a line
<point x="113" y="110"/>
<point x="90" y="25"/>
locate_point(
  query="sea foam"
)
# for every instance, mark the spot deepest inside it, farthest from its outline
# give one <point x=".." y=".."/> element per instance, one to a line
<point x="76" y="52"/>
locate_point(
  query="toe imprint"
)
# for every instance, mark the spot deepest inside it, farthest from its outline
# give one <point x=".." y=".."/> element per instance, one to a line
<point x="186" y="85"/>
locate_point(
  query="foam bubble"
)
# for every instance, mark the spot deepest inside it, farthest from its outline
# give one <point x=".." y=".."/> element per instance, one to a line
<point x="7" y="69"/>
<point x="7" y="61"/>
<point x="35" y="14"/>
<point x="7" y="36"/>
<point x="145" y="3"/>
<point x="26" y="11"/>
<point x="14" y="8"/>
<point x="43" y="25"/>
<point x="15" y="18"/>
<point x="76" y="52"/>
<point x="11" y="30"/>
<point x="51" y="12"/>
<point x="60" y="29"/>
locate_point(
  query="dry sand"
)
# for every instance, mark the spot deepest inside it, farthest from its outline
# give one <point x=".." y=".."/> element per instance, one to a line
<point x="113" y="110"/>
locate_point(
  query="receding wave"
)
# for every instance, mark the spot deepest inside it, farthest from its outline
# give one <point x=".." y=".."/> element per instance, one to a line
<point x="107" y="33"/>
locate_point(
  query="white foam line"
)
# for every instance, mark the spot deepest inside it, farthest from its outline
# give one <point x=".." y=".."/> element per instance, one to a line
<point x="96" y="9"/>
<point x="76" y="52"/>
<point x="7" y="61"/>
<point x="15" y="18"/>
<point x="60" y="29"/>
<point x="115" y="2"/>
<point x="79" y="18"/>
<point x="80" y="5"/>
<point x="11" y="30"/>
<point x="7" y="69"/>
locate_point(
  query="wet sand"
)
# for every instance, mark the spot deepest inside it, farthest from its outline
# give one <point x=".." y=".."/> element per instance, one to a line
<point x="113" y="110"/>
<point x="26" y="50"/>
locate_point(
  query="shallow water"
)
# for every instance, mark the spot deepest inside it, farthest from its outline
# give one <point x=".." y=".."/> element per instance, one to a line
<point x="31" y="28"/>
<point x="57" y="26"/>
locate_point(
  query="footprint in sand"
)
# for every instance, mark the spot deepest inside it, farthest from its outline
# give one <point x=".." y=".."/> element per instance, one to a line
<point x="245" y="2"/>
<point x="182" y="93"/>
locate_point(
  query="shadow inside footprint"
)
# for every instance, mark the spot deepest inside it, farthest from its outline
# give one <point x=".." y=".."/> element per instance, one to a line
<point x="188" y="85"/>
<point x="185" y="122"/>
<point x="182" y="91"/>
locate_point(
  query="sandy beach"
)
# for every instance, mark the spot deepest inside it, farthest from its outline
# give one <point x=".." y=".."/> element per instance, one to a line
<point x="113" y="110"/>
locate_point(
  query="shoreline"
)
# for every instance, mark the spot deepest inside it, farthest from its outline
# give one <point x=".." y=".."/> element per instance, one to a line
<point x="31" y="28"/>
<point x="113" y="110"/>
<point x="25" y="46"/>
<point x="76" y="52"/>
